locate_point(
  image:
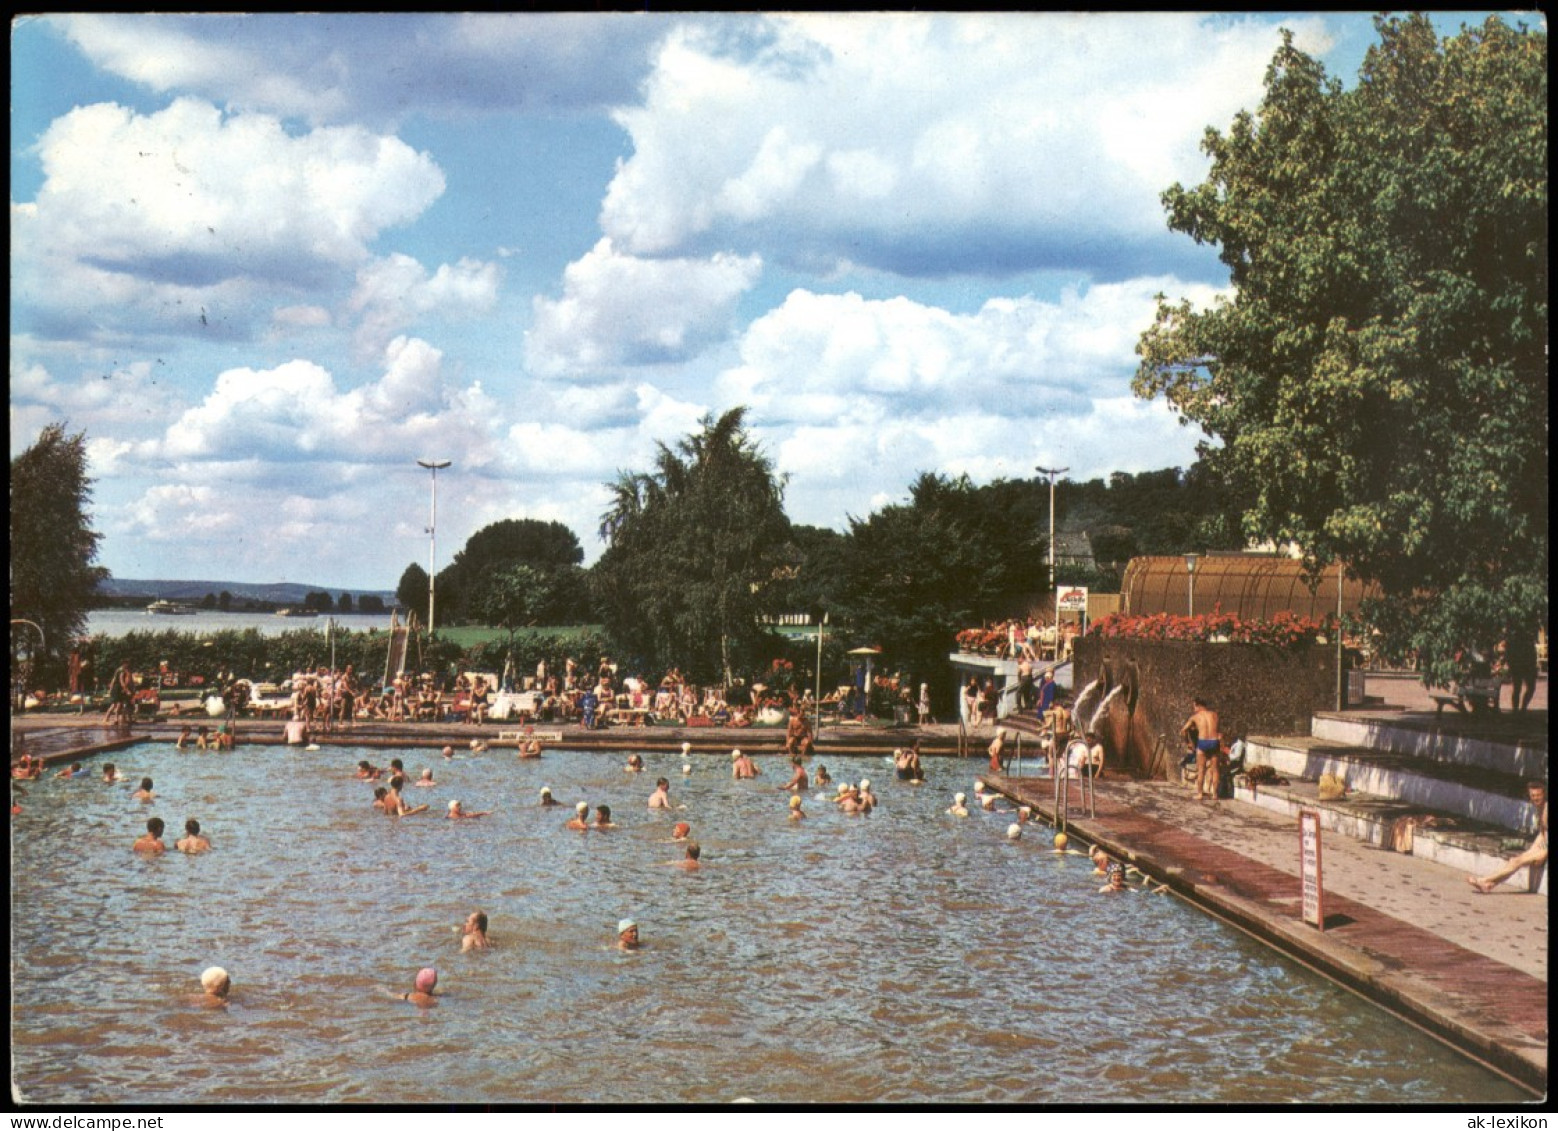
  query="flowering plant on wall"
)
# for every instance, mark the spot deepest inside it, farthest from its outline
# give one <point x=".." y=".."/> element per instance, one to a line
<point x="1284" y="629"/>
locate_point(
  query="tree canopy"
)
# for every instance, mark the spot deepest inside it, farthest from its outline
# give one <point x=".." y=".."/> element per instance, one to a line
<point x="53" y="545"/>
<point x="690" y="546"/>
<point x="1377" y="381"/>
<point x="465" y="585"/>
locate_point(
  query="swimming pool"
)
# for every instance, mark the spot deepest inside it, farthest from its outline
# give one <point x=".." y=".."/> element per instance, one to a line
<point x="902" y="957"/>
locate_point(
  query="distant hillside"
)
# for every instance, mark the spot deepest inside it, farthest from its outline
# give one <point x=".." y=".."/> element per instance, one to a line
<point x="279" y="593"/>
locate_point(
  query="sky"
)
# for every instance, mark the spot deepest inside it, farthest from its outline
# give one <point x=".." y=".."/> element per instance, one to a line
<point x="266" y="263"/>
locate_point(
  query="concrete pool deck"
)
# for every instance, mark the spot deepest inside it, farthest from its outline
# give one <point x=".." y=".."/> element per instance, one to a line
<point x="1406" y="933"/>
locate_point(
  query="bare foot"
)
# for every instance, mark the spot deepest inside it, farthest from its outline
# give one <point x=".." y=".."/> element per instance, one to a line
<point x="1481" y="886"/>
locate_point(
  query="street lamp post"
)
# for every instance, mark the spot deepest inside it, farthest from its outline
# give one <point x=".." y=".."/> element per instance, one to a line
<point x="1190" y="568"/>
<point x="1052" y="472"/>
<point x="816" y="717"/>
<point x="432" y="538"/>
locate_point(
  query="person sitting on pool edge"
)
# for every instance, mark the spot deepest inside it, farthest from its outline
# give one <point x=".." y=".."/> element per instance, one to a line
<point x="1533" y="856"/>
<point x="151" y="844"/>
<point x="475" y="933"/>
<point x="192" y="842"/>
<point x="627" y="935"/>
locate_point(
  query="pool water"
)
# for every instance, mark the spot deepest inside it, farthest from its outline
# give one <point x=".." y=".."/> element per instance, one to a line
<point x="903" y="957"/>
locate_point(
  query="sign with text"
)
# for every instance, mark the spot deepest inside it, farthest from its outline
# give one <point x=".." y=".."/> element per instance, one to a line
<point x="1071" y="598"/>
<point x="1313" y="896"/>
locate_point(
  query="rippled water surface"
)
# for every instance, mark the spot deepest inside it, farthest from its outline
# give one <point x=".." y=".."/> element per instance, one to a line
<point x="907" y="956"/>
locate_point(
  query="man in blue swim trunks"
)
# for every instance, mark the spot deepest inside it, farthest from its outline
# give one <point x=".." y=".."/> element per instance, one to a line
<point x="1208" y="740"/>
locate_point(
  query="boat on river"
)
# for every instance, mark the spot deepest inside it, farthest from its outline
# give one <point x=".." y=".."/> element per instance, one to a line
<point x="169" y="609"/>
<point x="296" y="613"/>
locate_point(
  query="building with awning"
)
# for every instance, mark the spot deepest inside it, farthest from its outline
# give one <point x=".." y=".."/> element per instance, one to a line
<point x="1253" y="586"/>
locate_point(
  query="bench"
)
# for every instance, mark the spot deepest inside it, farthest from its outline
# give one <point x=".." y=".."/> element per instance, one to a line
<point x="1475" y="695"/>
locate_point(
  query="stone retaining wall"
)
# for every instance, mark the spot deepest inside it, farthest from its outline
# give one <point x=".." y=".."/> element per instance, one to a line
<point x="1255" y="689"/>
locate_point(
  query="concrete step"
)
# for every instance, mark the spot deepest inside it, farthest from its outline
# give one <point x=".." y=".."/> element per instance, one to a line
<point x="1504" y="744"/>
<point x="1465" y="845"/>
<point x="1485" y="795"/>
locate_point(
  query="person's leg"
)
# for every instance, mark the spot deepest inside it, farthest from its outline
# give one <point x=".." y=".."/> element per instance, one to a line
<point x="1533" y="855"/>
<point x="1200" y="773"/>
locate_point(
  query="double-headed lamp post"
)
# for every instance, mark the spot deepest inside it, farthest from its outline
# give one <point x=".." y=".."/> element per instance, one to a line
<point x="1191" y="560"/>
<point x="432" y="538"/>
<point x="1052" y="472"/>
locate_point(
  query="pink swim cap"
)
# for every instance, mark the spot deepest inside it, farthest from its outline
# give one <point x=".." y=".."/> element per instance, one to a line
<point x="427" y="978"/>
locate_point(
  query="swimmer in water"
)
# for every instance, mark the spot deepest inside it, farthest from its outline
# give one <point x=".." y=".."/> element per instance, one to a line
<point x="192" y="842"/>
<point x="186" y="736"/>
<point x="796" y="812"/>
<point x="635" y="764"/>
<point x="1100" y="860"/>
<point x="367" y="771"/>
<point x="425" y="780"/>
<point x="627" y="935"/>
<point x="395" y="805"/>
<point x="475" y="933"/>
<point x="478" y="746"/>
<point x="380" y="797"/>
<point x="397" y="768"/>
<point x="661" y="797"/>
<point x="111" y="774"/>
<point x="580" y="812"/>
<point x="1116" y="881"/>
<point x="821" y="777"/>
<point x="603" y="818"/>
<point x="681" y="830"/>
<point x="151" y="844"/>
<point x="742" y="766"/>
<point x="849" y="800"/>
<point x="797" y="775"/>
<point x="216" y="984"/>
<point x="958" y="808"/>
<point x="427" y="981"/>
<point x="867" y="799"/>
<point x="690" y="863"/>
<point x="531" y="749"/>
<point x="74" y="770"/>
<point x="458" y="812"/>
<point x="144" y="793"/>
<point x="448" y="753"/>
<point x="547" y="800"/>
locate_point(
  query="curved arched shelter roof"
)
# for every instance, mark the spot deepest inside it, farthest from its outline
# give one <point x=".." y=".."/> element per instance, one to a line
<point x="1252" y="586"/>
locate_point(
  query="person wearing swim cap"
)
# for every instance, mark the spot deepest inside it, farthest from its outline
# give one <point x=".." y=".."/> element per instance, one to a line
<point x="742" y="766"/>
<point x="427" y="981"/>
<point x="475" y="932"/>
<point x="426" y="779"/>
<point x="796" y="812"/>
<point x="458" y="812"/>
<point x="580" y="812"/>
<point x="958" y="808"/>
<point x="681" y="830"/>
<point x="867" y="799"/>
<point x="627" y="935"/>
<point x="686" y="749"/>
<point x="547" y="800"/>
<point x="216" y="984"/>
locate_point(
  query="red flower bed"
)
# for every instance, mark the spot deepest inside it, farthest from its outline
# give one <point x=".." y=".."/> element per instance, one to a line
<point x="1285" y="629"/>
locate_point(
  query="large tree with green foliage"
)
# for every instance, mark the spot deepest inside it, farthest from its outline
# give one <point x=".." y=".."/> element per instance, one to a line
<point x="1378" y="378"/>
<point x="411" y="591"/>
<point x="549" y="547"/>
<point x="53" y="545"/>
<point x="690" y="546"/>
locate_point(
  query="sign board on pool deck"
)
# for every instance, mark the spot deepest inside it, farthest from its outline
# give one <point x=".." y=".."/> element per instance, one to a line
<point x="1071" y="599"/>
<point x="1313" y="897"/>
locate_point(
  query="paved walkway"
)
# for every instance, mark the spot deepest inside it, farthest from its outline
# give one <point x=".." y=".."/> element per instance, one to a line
<point x="1407" y="933"/>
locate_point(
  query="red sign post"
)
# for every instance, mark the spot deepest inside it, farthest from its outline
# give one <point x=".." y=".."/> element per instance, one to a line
<point x="1309" y="868"/>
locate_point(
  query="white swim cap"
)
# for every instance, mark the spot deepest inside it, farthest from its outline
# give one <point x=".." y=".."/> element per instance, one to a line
<point x="1013" y="832"/>
<point x="979" y="787"/>
<point x="686" y="769"/>
<point x="865" y="783"/>
<point x="214" y="980"/>
<point x="546" y="791"/>
<point x="960" y="798"/>
<point x="735" y="753"/>
<point x="453" y="805"/>
<point x="582" y="807"/>
<point x="625" y="924"/>
<point x="686" y="748"/>
<point x="475" y="742"/>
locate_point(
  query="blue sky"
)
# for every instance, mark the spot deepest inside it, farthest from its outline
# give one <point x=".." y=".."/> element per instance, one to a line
<point x="267" y="262"/>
